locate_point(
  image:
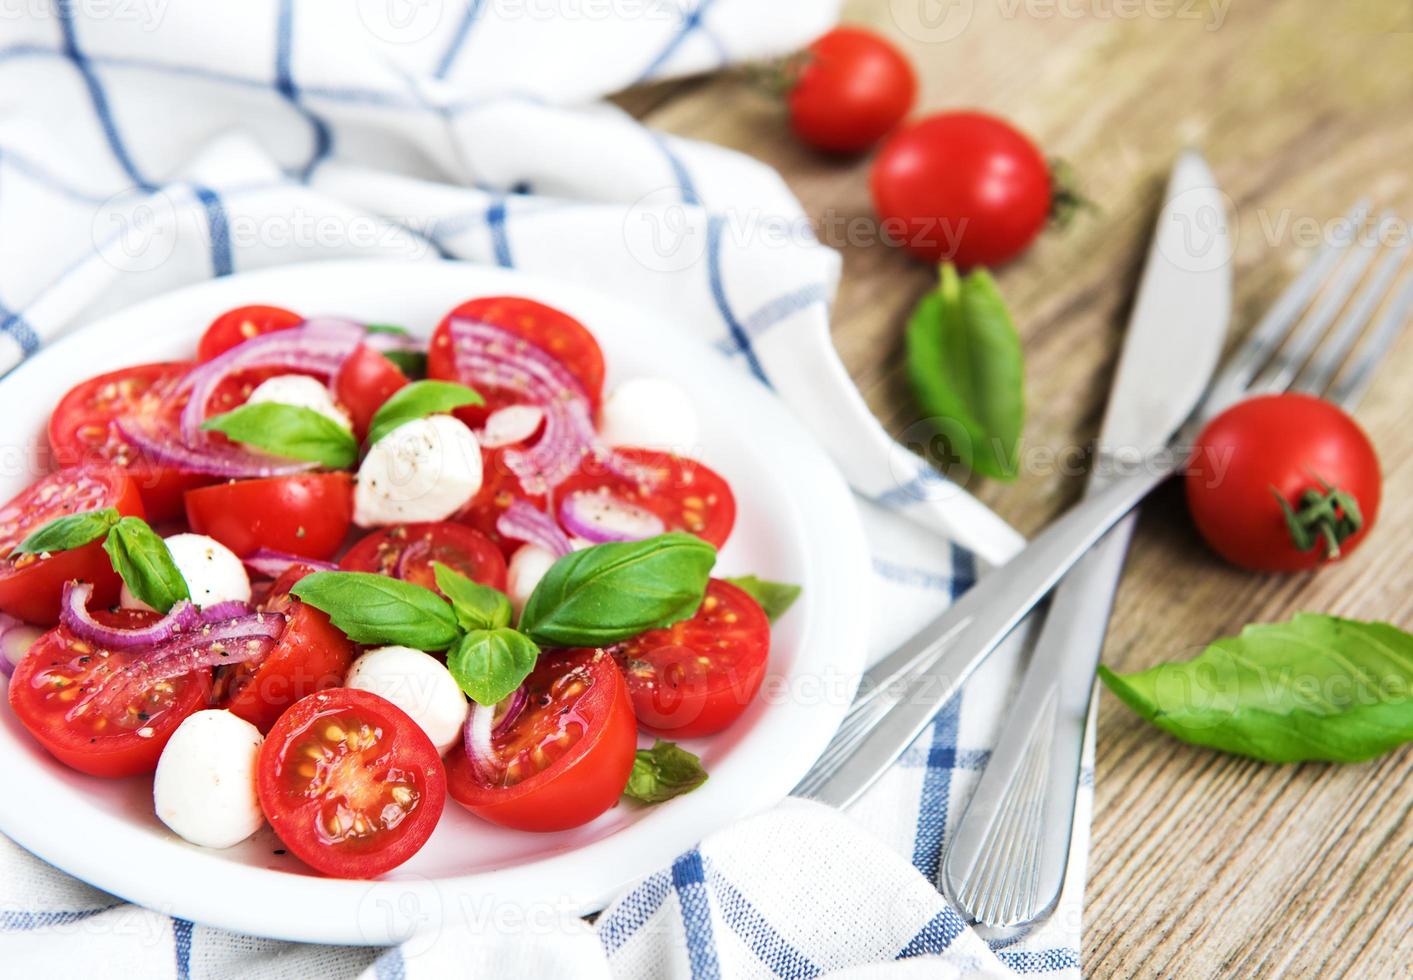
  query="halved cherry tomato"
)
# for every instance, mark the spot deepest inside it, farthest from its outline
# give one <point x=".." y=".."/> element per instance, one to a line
<point x="236" y="326"/>
<point x="307" y="514"/>
<point x="687" y="495"/>
<point x="30" y="585"/>
<point x="549" y="329"/>
<point x="48" y="694"/>
<point x="1295" y="449"/>
<point x="84" y="429"/>
<point x="350" y="783"/>
<point x="364" y="382"/>
<point x="407" y="551"/>
<point x="696" y="677"/>
<point x="312" y="654"/>
<point x="566" y="758"/>
<point x="500" y="488"/>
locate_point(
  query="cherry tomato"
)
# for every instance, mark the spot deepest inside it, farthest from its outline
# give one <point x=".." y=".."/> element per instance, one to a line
<point x="500" y="488"/>
<point x="853" y="88"/>
<point x="407" y="551"/>
<point x="696" y="677"/>
<point x="565" y="759"/>
<point x="84" y="429"/>
<point x="1267" y="454"/>
<point x="363" y="383"/>
<point x="312" y="654"/>
<point x="547" y="328"/>
<point x="307" y="514"/>
<point x="350" y="784"/>
<point x="961" y="186"/>
<point x="687" y="495"/>
<point x="31" y="585"/>
<point x="235" y="327"/>
<point x="48" y="690"/>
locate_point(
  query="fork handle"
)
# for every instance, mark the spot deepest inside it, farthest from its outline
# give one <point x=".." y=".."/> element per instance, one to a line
<point x="1006" y="861"/>
<point x="903" y="692"/>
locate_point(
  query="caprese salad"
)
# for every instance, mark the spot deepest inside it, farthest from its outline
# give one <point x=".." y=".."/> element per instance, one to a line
<point x="325" y="574"/>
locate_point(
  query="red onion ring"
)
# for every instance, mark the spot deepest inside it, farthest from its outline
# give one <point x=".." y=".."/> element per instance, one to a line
<point x="74" y="614"/>
<point x="517" y="701"/>
<point x="224" y="460"/>
<point x="16" y="637"/>
<point x="275" y="563"/>
<point x="220" y="611"/>
<point x="523" y="522"/>
<point x="383" y="342"/>
<point x="599" y="516"/>
<point x="482" y="726"/>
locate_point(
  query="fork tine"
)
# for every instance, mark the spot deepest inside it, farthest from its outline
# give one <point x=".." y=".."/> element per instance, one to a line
<point x="1288" y="361"/>
<point x="1267" y="336"/>
<point x="1325" y="364"/>
<point x="1357" y="376"/>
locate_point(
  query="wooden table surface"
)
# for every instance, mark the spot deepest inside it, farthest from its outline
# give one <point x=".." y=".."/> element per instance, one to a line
<point x="1201" y="863"/>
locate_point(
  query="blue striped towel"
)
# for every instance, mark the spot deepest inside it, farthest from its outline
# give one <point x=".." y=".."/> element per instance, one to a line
<point x="146" y="145"/>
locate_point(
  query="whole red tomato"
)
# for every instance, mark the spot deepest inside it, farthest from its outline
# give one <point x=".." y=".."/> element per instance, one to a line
<point x="853" y="88"/>
<point x="961" y="186"/>
<point x="1283" y="483"/>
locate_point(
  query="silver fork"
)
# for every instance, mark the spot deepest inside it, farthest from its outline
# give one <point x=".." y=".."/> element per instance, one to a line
<point x="901" y="694"/>
<point x="1005" y="863"/>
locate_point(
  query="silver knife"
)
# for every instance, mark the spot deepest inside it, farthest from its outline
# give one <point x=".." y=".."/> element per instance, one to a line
<point x="1005" y="863"/>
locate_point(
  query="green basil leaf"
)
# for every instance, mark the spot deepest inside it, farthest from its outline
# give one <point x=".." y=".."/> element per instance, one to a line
<point x="377" y="609"/>
<point x="143" y="561"/>
<point x="967" y="372"/>
<point x="291" y="431"/>
<point x="1317" y="687"/>
<point x="69" y="532"/>
<point x="662" y="772"/>
<point x="418" y="400"/>
<point x="490" y="664"/>
<point x="774" y="597"/>
<point x="391" y="328"/>
<point x="609" y="592"/>
<point x="412" y="363"/>
<point x="477" y="606"/>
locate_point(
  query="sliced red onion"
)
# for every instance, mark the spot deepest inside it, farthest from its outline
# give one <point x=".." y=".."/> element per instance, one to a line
<point x="334" y="328"/>
<point x="224" y="460"/>
<point x="599" y="516"/>
<point x="491" y="357"/>
<point x="74" y="614"/>
<point x="523" y="522"/>
<point x="517" y="701"/>
<point x="221" y="611"/>
<point x="16" y="638"/>
<point x="383" y="342"/>
<point x="509" y="425"/>
<point x="476" y="736"/>
<point x="276" y="563"/>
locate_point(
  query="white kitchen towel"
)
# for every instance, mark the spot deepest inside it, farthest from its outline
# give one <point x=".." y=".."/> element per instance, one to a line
<point x="148" y="144"/>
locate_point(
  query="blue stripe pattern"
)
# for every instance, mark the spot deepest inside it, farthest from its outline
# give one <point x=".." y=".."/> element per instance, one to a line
<point x="469" y="17"/>
<point x="634" y="909"/>
<point x="391" y="965"/>
<point x="685" y="184"/>
<point x="181" y="936"/>
<point x="13" y="325"/>
<point x="715" y="224"/>
<point x="500" y="240"/>
<point x="936" y="936"/>
<point x="1040" y="961"/>
<point x="220" y="229"/>
<point x="96" y="95"/>
<point x="769" y="946"/>
<point x="13" y="920"/>
<point x="284" y="83"/>
<point x="689" y="880"/>
<point x="691" y="22"/>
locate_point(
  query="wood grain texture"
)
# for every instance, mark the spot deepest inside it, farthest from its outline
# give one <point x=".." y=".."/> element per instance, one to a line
<point x="1201" y="864"/>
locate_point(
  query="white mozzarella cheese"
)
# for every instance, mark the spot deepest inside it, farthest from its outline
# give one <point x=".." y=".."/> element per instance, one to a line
<point x="301" y="391"/>
<point x="424" y="470"/>
<point x="527" y="566"/>
<point x="419" y="684"/>
<point x="650" y="413"/>
<point x="204" y="788"/>
<point x="212" y="571"/>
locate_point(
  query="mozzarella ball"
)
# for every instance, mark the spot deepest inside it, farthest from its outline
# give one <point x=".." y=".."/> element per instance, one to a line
<point x="424" y="470"/>
<point x="527" y="566"/>
<point x="301" y="391"/>
<point x="204" y="789"/>
<point x="417" y="683"/>
<point x="212" y="571"/>
<point x="650" y="413"/>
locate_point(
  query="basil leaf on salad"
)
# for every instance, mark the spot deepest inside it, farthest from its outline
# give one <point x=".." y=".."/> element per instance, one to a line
<point x="774" y="597"/>
<point x="377" y="609"/>
<point x="391" y="328"/>
<point x="609" y="592"/>
<point x="69" y="532"/>
<point x="490" y="664"/>
<point x="412" y="363"/>
<point x="967" y="371"/>
<point x="290" y="431"/>
<point x="663" y="772"/>
<point x="1315" y="688"/>
<point x="418" y="400"/>
<point x="477" y="606"/>
<point x="145" y="564"/>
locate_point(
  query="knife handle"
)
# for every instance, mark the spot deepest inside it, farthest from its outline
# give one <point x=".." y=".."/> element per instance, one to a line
<point x="1005" y="864"/>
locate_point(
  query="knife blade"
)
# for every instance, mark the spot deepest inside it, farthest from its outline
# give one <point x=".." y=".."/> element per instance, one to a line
<point x="909" y="685"/>
<point x="1006" y="861"/>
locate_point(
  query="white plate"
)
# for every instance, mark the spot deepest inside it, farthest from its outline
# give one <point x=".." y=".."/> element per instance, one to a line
<point x="796" y="522"/>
